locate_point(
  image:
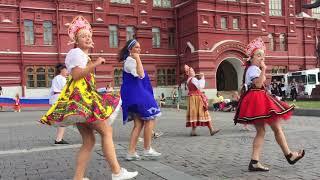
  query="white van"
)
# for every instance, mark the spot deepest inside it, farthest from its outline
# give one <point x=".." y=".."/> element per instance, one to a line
<point x="310" y="79"/>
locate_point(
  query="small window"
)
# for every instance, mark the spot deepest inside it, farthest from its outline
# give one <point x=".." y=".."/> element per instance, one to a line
<point x="162" y="3"/>
<point x="223" y="23"/>
<point x="113" y="37"/>
<point x="275" y="7"/>
<point x="47" y="32"/>
<point x="39" y="76"/>
<point x="28" y="32"/>
<point x="166" y="77"/>
<point x="130" y="33"/>
<point x="171" y="38"/>
<point x="117" y="77"/>
<point x="155" y="37"/>
<point x="235" y="23"/>
<point x="312" y="79"/>
<point x="271" y="42"/>
<point x="121" y="1"/>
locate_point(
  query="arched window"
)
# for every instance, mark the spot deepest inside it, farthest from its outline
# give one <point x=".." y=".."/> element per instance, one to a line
<point x="117" y="77"/>
<point x="271" y="42"/>
<point x="30" y="77"/>
<point x="39" y="76"/>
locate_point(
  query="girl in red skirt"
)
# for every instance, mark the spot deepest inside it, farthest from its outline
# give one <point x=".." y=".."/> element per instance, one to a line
<point x="259" y="108"/>
<point x="17" y="105"/>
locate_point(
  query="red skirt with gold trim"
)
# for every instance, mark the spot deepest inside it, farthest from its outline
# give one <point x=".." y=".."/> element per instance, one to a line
<point x="258" y="106"/>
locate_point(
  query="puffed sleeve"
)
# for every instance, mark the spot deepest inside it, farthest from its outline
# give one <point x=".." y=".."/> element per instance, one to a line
<point x="130" y="66"/>
<point x="253" y="72"/>
<point x="199" y="83"/>
<point x="75" y="58"/>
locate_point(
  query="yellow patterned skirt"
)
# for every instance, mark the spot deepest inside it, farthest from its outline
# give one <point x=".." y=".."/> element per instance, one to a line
<point x="79" y="102"/>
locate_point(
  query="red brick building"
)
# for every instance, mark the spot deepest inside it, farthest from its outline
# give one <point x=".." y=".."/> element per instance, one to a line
<point x="209" y="35"/>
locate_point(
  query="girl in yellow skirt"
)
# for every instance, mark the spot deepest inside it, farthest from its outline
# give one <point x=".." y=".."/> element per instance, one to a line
<point x="79" y="103"/>
<point x="197" y="112"/>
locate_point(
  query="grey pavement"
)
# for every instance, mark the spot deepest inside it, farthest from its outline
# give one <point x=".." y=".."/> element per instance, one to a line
<point x="27" y="151"/>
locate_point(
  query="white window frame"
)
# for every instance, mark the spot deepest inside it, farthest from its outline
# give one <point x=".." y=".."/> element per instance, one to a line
<point x="156" y="38"/>
<point x="121" y="1"/>
<point x="28" y="32"/>
<point x="275" y="7"/>
<point x="130" y="32"/>
<point x="162" y="3"/>
<point x="224" y="22"/>
<point x="47" y="33"/>
<point x="113" y="36"/>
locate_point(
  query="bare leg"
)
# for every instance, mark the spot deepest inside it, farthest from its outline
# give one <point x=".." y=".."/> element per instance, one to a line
<point x="108" y="149"/>
<point x="84" y="154"/>
<point x="193" y="131"/>
<point x="147" y="135"/>
<point x="210" y="126"/>
<point x="280" y="137"/>
<point x="138" y="124"/>
<point x="258" y="141"/>
<point x="60" y="133"/>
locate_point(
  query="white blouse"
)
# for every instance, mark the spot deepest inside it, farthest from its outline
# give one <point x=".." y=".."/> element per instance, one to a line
<point x="130" y="66"/>
<point x="200" y="84"/>
<point x="76" y="58"/>
<point x="252" y="73"/>
<point x="57" y="85"/>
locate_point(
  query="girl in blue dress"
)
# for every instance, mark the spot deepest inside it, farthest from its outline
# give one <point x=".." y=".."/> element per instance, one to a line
<point x="138" y="103"/>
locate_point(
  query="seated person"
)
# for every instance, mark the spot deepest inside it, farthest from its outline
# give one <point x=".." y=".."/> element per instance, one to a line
<point x="162" y="100"/>
<point x="219" y="102"/>
<point x="232" y="106"/>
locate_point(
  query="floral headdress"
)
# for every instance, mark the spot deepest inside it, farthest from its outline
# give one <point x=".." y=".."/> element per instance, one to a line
<point x="255" y="45"/>
<point x="77" y="24"/>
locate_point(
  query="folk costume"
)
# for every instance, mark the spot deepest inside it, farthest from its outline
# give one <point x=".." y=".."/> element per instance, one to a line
<point x="79" y="101"/>
<point x="197" y="110"/>
<point x="256" y="105"/>
<point x="137" y="93"/>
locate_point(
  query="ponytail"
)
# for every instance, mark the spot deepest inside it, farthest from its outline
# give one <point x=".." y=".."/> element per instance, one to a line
<point x="124" y="52"/>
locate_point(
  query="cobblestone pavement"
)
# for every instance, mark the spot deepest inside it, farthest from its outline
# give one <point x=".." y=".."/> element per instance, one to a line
<point x="26" y="150"/>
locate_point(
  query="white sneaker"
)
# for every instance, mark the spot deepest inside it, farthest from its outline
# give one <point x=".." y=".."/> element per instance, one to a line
<point x="124" y="174"/>
<point x="133" y="157"/>
<point x="151" y="153"/>
<point x="85" y="178"/>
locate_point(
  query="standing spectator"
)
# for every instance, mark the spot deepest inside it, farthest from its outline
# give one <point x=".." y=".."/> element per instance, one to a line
<point x="17" y="105"/>
<point x="293" y="90"/>
<point x="175" y="96"/>
<point x="301" y="88"/>
<point x="283" y="88"/>
<point x="58" y="83"/>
